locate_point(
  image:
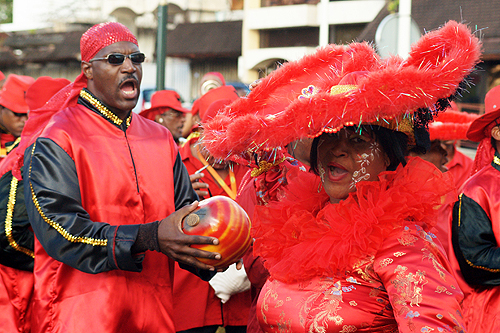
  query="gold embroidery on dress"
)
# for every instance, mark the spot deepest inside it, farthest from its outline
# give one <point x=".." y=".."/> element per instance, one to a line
<point x="407" y="239"/>
<point x="443" y="289"/>
<point x="326" y="310"/>
<point x="386" y="262"/>
<point x="365" y="269"/>
<point x="348" y="329"/>
<point x="409" y="285"/>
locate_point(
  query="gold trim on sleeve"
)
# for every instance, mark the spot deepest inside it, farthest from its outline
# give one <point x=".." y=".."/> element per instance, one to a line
<point x="57" y="226"/>
<point x="8" y="219"/>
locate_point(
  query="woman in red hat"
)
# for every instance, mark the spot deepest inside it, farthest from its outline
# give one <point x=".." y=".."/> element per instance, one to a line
<point x="349" y="251"/>
<point x="475" y="224"/>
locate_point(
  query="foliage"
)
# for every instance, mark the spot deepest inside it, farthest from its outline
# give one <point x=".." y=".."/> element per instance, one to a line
<point x="6" y="11"/>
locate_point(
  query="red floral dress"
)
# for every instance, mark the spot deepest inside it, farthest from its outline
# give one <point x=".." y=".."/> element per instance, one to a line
<point x="366" y="264"/>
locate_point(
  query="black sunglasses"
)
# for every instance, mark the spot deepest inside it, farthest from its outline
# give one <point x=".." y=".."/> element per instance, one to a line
<point x="118" y="58"/>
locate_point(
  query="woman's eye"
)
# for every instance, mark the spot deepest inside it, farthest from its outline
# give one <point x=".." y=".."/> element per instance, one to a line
<point x="357" y="139"/>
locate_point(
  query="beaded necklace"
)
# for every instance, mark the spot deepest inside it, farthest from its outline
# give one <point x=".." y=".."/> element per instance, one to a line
<point x="103" y="109"/>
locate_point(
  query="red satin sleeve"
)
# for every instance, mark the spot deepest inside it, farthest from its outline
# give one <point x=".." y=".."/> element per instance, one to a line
<point x="422" y="290"/>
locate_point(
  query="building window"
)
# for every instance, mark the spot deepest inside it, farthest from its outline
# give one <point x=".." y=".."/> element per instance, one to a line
<point x="270" y="3"/>
<point x="305" y="36"/>
<point x="345" y="33"/>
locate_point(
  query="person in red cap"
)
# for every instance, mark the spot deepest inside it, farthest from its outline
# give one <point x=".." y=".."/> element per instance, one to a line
<point x="449" y="126"/>
<point x="16" y="236"/>
<point x="197" y="308"/>
<point x="201" y="105"/>
<point x="106" y="192"/>
<point x="13" y="110"/>
<point x="209" y="81"/>
<point x="459" y="164"/>
<point x="166" y="109"/>
<point x="475" y="224"/>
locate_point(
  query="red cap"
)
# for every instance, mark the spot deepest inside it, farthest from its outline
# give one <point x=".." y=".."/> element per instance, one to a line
<point x="163" y="99"/>
<point x="13" y="93"/>
<point x="42" y="90"/>
<point x="214" y="108"/>
<point x="479" y="129"/>
<point x="2" y="76"/>
<point x="451" y="125"/>
<point x="201" y="104"/>
<point x="101" y="35"/>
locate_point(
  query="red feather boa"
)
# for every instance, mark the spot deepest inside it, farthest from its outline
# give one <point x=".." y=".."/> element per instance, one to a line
<point x="302" y="236"/>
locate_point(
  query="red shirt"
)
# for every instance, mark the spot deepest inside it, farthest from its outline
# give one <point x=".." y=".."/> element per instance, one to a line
<point x="460" y="167"/>
<point x="5" y="138"/>
<point x="195" y="302"/>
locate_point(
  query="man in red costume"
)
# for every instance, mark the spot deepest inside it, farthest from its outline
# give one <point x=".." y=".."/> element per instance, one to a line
<point x="13" y="110"/>
<point x="198" y="309"/>
<point x="105" y="192"/>
<point x="476" y="224"/>
<point x="16" y="236"/>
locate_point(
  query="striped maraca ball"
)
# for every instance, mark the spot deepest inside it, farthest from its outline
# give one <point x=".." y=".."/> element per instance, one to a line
<point x="223" y="218"/>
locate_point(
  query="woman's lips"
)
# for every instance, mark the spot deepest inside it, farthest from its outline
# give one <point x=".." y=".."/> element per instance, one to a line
<point x="336" y="172"/>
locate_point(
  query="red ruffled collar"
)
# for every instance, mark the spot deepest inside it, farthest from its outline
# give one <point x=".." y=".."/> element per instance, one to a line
<point x="302" y="236"/>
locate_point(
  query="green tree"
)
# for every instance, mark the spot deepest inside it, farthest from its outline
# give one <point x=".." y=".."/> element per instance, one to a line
<point x="6" y="11"/>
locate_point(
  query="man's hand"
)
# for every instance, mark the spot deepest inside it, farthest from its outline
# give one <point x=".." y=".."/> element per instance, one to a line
<point x="176" y="244"/>
<point x="198" y="186"/>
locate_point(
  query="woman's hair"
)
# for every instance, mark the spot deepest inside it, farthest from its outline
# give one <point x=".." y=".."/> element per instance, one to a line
<point x="394" y="144"/>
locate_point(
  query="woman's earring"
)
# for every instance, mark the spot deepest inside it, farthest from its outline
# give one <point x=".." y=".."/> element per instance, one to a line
<point x="160" y="120"/>
<point x="321" y="172"/>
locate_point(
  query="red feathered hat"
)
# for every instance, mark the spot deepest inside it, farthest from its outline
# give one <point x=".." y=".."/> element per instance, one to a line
<point x="201" y="104"/>
<point x="304" y="98"/>
<point x="162" y="100"/>
<point x="13" y="93"/>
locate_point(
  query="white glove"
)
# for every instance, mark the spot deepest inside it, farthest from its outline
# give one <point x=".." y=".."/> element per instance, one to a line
<point x="229" y="282"/>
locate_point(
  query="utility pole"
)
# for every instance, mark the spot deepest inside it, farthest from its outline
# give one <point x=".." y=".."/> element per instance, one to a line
<point x="404" y="40"/>
<point x="161" y="47"/>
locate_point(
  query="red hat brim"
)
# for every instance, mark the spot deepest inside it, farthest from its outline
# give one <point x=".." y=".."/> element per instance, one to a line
<point x="476" y="129"/>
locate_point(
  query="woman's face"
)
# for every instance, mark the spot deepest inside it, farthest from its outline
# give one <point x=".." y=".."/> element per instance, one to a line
<point x="348" y="157"/>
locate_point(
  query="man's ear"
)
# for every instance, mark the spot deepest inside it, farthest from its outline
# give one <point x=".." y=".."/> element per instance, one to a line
<point x="87" y="70"/>
<point x="495" y="133"/>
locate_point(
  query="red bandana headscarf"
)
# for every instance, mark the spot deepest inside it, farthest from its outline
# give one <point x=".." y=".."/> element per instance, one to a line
<point x="93" y="40"/>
